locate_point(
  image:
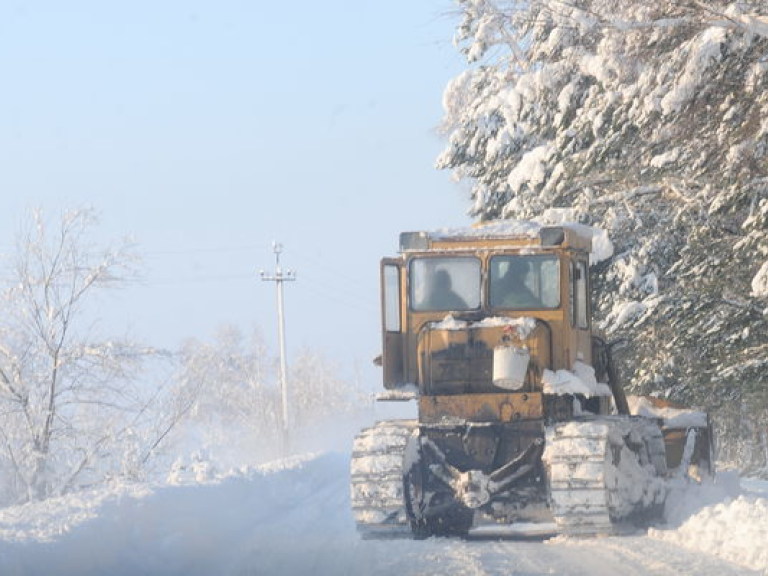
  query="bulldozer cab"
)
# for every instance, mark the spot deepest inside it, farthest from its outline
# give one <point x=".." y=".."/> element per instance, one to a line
<point x="454" y="297"/>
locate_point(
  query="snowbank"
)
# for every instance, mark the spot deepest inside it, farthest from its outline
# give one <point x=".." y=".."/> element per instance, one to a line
<point x="715" y="518"/>
<point x="234" y="525"/>
<point x="50" y="519"/>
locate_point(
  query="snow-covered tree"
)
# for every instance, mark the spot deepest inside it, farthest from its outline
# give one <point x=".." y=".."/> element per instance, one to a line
<point x="229" y="384"/>
<point x="232" y="386"/>
<point x="318" y="392"/>
<point x="650" y="119"/>
<point x="68" y="398"/>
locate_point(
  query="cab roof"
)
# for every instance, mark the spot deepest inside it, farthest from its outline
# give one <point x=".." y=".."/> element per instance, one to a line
<point x="500" y="234"/>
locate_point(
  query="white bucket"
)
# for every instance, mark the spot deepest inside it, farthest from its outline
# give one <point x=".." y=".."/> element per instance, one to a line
<point x="510" y="364"/>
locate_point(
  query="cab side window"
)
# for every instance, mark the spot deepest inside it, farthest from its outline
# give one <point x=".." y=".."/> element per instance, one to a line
<point x="391" y="298"/>
<point x="579" y="295"/>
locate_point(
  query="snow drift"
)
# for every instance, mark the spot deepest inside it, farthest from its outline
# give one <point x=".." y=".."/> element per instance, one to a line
<point x="292" y="517"/>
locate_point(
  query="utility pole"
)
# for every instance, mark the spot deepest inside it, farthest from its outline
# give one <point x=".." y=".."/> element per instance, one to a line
<point x="278" y="278"/>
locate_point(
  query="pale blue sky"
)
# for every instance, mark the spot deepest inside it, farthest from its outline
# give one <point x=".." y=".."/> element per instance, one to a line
<point x="205" y="130"/>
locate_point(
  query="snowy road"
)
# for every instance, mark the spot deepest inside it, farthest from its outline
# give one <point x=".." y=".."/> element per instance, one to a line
<point x="291" y="519"/>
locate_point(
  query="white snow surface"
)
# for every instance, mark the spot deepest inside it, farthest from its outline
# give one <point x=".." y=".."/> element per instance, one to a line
<point x="531" y="169"/>
<point x="735" y="529"/>
<point x="523" y="326"/>
<point x="623" y="313"/>
<point x="602" y="248"/>
<point x="672" y="417"/>
<point x="491" y="229"/>
<point x="706" y="51"/>
<point x="403" y="393"/>
<point x="579" y="381"/>
<point x="292" y="517"/>
<point x="760" y="282"/>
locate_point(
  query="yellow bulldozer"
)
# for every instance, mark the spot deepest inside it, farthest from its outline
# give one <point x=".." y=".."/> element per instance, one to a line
<point x="521" y="417"/>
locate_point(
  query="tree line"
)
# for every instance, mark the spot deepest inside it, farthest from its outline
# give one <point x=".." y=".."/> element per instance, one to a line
<point x="78" y="408"/>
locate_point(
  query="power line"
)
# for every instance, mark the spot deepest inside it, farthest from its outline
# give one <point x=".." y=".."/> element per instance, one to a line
<point x="211" y="250"/>
<point x="168" y="281"/>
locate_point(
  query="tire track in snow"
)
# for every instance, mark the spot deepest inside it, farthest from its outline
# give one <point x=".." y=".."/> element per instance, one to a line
<point x="319" y="525"/>
<point x="639" y="555"/>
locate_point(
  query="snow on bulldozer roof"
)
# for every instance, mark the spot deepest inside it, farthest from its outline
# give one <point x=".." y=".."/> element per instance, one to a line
<point x="500" y="232"/>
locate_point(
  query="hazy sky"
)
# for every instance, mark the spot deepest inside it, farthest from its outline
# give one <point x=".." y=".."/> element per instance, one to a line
<point x="205" y="130"/>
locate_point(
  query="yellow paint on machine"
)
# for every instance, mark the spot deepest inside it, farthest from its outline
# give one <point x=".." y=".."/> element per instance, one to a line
<point x="507" y="407"/>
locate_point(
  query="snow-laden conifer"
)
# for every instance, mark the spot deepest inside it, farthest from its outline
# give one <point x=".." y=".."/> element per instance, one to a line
<point x="651" y="120"/>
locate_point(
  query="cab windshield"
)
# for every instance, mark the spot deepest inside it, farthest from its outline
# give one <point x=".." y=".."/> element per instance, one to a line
<point x="445" y="284"/>
<point x="530" y="282"/>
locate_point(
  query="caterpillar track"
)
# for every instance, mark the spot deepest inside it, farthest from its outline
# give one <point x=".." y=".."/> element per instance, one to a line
<point x="605" y="473"/>
<point x="377" y="479"/>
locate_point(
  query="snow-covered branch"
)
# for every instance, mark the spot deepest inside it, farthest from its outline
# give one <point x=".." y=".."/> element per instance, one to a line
<point x="66" y="395"/>
<point x="647" y="119"/>
<point x="733" y="17"/>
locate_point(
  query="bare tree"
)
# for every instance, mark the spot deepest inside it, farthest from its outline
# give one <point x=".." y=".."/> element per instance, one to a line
<point x="66" y="397"/>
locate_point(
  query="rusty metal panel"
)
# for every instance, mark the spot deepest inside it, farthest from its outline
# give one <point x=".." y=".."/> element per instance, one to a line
<point x="481" y="407"/>
<point x="461" y="361"/>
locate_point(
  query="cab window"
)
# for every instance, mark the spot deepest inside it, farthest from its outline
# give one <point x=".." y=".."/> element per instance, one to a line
<point x="523" y="282"/>
<point x="445" y="284"/>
